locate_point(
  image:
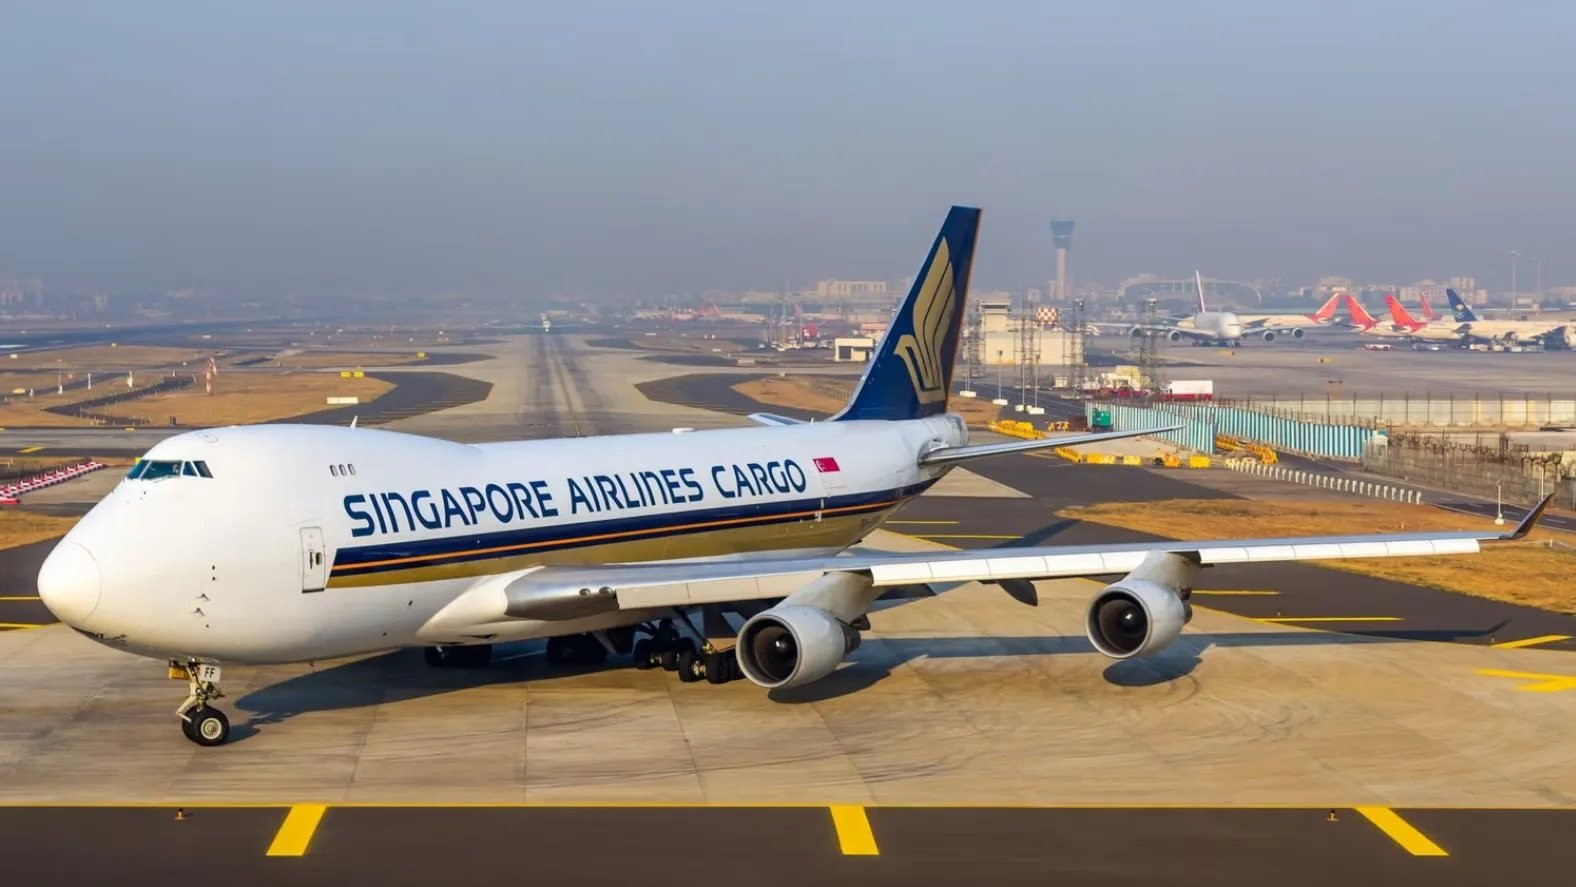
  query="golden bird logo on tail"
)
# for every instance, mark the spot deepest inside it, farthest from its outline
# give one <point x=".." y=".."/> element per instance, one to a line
<point x="921" y="349"/>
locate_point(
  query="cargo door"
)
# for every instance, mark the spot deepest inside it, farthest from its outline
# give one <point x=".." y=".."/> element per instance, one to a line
<point x="314" y="560"/>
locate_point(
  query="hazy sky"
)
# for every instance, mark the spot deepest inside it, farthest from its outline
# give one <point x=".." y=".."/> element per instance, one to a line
<point x="645" y="147"/>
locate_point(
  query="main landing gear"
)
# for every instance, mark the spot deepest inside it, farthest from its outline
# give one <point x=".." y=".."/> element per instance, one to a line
<point x="674" y="652"/>
<point x="201" y="722"/>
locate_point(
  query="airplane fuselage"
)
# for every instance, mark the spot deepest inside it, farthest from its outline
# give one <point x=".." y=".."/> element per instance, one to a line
<point x="308" y="542"/>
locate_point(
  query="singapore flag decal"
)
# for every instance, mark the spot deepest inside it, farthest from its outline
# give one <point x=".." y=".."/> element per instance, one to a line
<point x="831" y="473"/>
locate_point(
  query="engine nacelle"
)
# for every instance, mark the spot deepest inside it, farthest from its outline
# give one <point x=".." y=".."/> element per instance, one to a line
<point x="1269" y="335"/>
<point x="1135" y="331"/>
<point x="1174" y="336"/>
<point x="1135" y="617"/>
<point x="790" y="645"/>
<point x="1297" y="332"/>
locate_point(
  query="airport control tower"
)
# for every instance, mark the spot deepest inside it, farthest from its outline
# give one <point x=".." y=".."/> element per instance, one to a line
<point x="1062" y="236"/>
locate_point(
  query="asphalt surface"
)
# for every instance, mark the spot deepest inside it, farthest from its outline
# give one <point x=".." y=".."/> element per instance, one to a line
<point x="790" y="846"/>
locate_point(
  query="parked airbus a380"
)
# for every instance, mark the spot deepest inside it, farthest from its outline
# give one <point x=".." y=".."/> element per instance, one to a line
<point x="301" y="543"/>
<point x="1228" y="327"/>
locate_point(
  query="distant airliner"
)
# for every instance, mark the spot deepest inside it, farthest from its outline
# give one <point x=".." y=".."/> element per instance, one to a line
<point x="285" y="543"/>
<point x="1228" y="328"/>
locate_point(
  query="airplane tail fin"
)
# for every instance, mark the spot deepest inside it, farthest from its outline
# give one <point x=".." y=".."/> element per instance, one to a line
<point x="1463" y="313"/>
<point x="1428" y="310"/>
<point x="1198" y="279"/>
<point x="1360" y="316"/>
<point x="1399" y="314"/>
<point x="910" y="375"/>
<point x="1327" y="310"/>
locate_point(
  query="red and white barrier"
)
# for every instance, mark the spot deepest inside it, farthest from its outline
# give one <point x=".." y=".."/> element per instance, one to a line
<point x="11" y="493"/>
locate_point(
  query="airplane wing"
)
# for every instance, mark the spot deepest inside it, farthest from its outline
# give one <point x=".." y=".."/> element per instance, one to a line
<point x="945" y="455"/>
<point x="566" y="592"/>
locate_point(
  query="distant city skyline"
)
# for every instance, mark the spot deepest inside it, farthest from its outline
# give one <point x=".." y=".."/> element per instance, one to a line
<point x="619" y="150"/>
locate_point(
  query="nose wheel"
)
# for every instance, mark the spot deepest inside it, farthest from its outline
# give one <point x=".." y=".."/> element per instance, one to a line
<point x="201" y="722"/>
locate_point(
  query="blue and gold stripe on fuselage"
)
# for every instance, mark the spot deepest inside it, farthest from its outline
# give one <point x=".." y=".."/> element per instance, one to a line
<point x="835" y="522"/>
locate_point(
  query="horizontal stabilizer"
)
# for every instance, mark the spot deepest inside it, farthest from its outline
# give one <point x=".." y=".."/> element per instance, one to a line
<point x="947" y="455"/>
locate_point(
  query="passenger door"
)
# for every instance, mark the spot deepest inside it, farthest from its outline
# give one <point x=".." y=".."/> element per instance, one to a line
<point x="314" y="560"/>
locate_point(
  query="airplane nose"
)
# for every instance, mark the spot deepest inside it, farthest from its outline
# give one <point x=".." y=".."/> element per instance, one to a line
<point x="68" y="583"/>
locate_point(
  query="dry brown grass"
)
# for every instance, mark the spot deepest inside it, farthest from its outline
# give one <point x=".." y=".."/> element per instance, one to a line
<point x="104" y="357"/>
<point x="1521" y="573"/>
<point x="22" y="527"/>
<point x="30" y="413"/>
<point x="801" y="392"/>
<point x="346" y="359"/>
<point x="237" y="399"/>
<point x="245" y="398"/>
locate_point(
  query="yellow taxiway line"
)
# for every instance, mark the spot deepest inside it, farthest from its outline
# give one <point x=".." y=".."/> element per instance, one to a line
<point x="29" y="450"/>
<point x="18" y="597"/>
<point x="295" y="833"/>
<point x="853" y="830"/>
<point x="1401" y="831"/>
<point x="1541" y="683"/>
<point x="1329" y="619"/>
<point x="1236" y="592"/>
<point x="1510" y="645"/>
<point x="963" y="536"/>
<point x="917" y="523"/>
<point x="22" y="626"/>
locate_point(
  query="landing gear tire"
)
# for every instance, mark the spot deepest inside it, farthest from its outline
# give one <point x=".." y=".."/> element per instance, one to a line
<point x="645" y="658"/>
<point x="690" y="666"/>
<point x="670" y="655"/>
<point x="208" y="726"/>
<point x="200" y="722"/>
<point x="721" y="667"/>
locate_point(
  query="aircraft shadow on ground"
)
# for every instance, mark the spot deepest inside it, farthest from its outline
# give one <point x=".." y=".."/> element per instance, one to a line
<point x="402" y="674"/>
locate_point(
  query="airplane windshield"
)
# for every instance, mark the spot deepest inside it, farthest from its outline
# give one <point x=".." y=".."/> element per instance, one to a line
<point x="157" y="469"/>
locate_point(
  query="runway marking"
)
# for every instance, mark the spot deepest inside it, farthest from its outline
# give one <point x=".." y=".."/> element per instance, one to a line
<point x="23" y="626"/>
<point x="295" y="833"/>
<point x="938" y="523"/>
<point x="1234" y="592"/>
<point x="19" y="597"/>
<point x="1401" y="831"/>
<point x="29" y="449"/>
<point x="1542" y="683"/>
<point x="1508" y="645"/>
<point x="1329" y="619"/>
<point x="853" y="830"/>
<point x="962" y="536"/>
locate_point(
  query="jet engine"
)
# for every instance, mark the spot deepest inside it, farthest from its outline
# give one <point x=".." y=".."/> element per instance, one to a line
<point x="1269" y="335"/>
<point x="1174" y="336"/>
<point x="1136" y="617"/>
<point x="790" y="645"/>
<point x="1297" y="332"/>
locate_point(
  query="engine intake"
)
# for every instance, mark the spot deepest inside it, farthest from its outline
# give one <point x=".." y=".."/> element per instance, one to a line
<point x="1135" y="617"/>
<point x="1269" y="335"/>
<point x="790" y="645"/>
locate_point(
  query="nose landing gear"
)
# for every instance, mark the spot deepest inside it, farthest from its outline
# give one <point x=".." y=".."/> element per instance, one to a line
<point x="201" y="722"/>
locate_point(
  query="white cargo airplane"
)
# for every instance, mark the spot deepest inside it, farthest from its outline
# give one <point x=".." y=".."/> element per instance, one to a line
<point x="286" y="543"/>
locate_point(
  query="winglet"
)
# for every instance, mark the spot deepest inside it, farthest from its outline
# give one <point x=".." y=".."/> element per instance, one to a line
<point x="1530" y="520"/>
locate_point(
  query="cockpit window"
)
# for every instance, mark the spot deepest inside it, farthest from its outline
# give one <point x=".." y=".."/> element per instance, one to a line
<point x="156" y="469"/>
